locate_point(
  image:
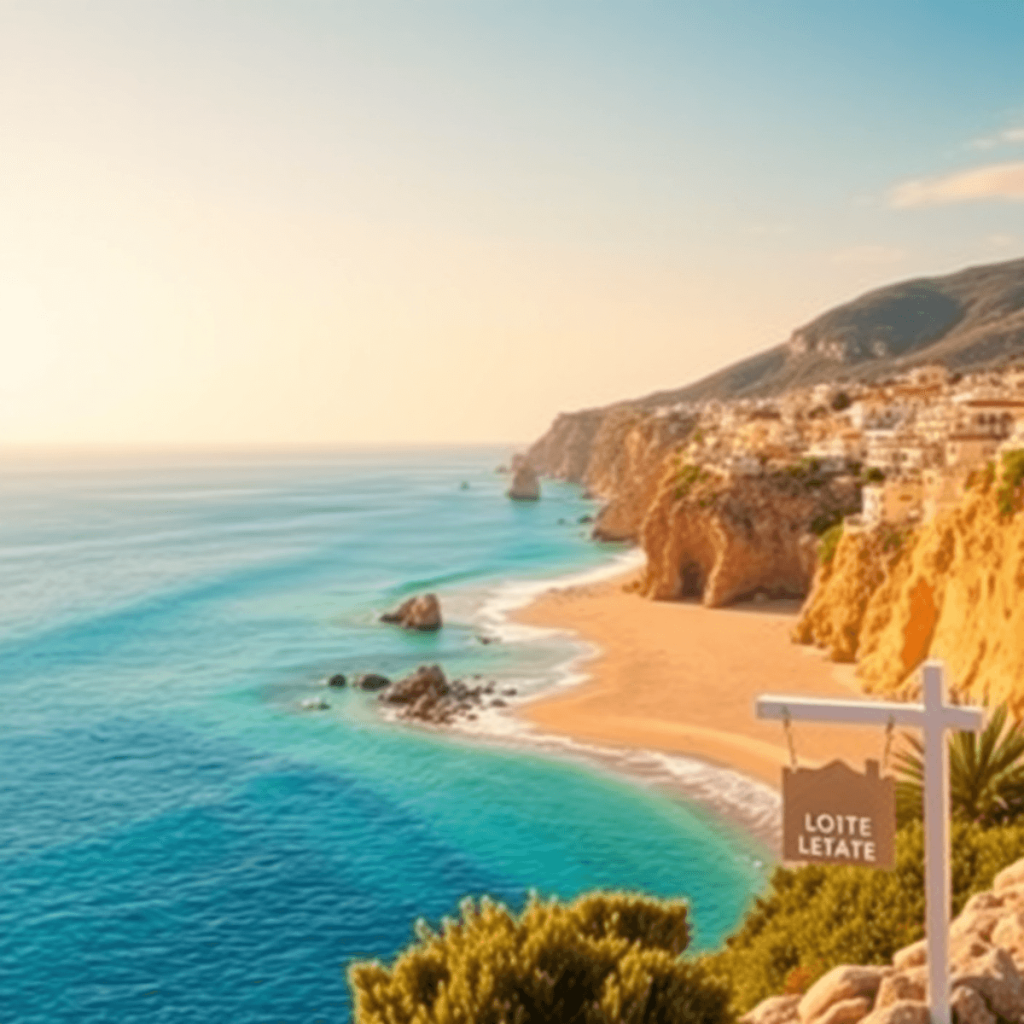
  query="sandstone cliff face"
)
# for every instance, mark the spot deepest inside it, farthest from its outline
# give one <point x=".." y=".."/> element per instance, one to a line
<point x="953" y="589"/>
<point x="564" y="451"/>
<point x="617" y="454"/>
<point x="834" y="613"/>
<point x="626" y="465"/>
<point x="720" y="538"/>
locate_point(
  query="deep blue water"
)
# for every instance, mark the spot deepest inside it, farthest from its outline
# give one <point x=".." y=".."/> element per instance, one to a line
<point x="179" y="840"/>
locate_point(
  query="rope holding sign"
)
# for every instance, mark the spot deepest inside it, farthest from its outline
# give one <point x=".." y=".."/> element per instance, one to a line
<point x="889" y="727"/>
<point x="788" y="726"/>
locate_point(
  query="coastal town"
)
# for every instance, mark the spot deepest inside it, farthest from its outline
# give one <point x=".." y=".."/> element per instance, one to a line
<point x="915" y="439"/>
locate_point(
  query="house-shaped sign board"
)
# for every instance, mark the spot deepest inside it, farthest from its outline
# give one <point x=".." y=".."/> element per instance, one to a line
<point x="836" y="815"/>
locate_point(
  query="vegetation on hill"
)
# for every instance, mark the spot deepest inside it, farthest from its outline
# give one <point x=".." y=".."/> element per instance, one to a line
<point x="605" y="958"/>
<point x="817" y="917"/>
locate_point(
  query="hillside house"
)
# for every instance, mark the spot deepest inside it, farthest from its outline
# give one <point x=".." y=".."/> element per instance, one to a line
<point x="893" y="502"/>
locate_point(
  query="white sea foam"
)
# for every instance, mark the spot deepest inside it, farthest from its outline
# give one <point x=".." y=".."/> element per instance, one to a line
<point x="507" y="597"/>
<point x="750" y="803"/>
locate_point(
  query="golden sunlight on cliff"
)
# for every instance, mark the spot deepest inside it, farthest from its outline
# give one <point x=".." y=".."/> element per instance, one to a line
<point x="951" y="589"/>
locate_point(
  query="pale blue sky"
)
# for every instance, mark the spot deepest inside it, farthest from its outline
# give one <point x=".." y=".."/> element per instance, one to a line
<point x="446" y="221"/>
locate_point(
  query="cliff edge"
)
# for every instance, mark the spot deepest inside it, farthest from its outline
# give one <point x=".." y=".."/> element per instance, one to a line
<point x="951" y="589"/>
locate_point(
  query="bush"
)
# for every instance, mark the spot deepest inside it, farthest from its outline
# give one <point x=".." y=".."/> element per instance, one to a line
<point x="1013" y="477"/>
<point x="815" y="918"/>
<point x="829" y="542"/>
<point x="873" y="475"/>
<point x="606" y="957"/>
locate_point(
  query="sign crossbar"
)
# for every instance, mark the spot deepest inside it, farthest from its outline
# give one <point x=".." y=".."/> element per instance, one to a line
<point x="933" y="716"/>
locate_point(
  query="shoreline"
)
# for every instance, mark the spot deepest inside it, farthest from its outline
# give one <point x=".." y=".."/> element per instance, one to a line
<point x="664" y="696"/>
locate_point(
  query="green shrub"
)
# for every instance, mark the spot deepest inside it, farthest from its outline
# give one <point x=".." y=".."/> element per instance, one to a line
<point x="1013" y="476"/>
<point x="829" y="542"/>
<point x="873" y="475"/>
<point x="606" y="957"/>
<point x="986" y="773"/>
<point x="824" y="521"/>
<point x="817" y="917"/>
<point x="687" y="477"/>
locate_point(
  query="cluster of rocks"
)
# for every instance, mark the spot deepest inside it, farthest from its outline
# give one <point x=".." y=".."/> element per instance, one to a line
<point x="422" y="612"/>
<point x="986" y="951"/>
<point x="428" y="696"/>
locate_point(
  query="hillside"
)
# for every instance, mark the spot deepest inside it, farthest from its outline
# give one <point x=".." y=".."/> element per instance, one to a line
<point x="967" y="321"/>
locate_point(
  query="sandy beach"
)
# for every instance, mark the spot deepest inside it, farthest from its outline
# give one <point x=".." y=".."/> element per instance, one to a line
<point x="681" y="679"/>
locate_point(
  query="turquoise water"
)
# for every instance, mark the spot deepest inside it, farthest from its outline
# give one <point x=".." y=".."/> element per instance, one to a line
<point x="179" y="840"/>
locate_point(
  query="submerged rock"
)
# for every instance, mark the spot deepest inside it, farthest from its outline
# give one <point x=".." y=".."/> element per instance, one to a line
<point x="371" y="681"/>
<point x="314" y="704"/>
<point x="337" y="680"/>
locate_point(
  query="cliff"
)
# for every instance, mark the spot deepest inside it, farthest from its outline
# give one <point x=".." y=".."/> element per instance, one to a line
<point x="719" y="538"/>
<point x="951" y="589"/>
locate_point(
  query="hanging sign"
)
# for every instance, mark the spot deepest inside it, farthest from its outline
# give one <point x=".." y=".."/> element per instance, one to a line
<point x="835" y="815"/>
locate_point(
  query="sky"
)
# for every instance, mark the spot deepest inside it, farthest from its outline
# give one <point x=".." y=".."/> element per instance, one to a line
<point x="312" y="223"/>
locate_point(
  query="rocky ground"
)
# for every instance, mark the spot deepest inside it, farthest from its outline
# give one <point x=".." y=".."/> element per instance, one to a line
<point x="986" y="973"/>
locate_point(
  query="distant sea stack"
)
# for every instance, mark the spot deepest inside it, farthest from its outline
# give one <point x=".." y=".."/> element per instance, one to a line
<point x="525" y="484"/>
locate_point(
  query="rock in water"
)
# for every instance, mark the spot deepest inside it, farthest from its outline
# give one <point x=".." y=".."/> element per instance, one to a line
<point x="336" y="680"/>
<point x="422" y="612"/>
<point x="315" y="704"/>
<point x="525" y="486"/>
<point x="371" y="681"/>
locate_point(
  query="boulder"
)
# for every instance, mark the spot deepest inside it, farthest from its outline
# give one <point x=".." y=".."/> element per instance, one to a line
<point x="970" y="1008"/>
<point x="422" y="612"/>
<point x="995" y="977"/>
<point x="902" y="985"/>
<point x="846" y="1011"/>
<point x="337" y="680"/>
<point x="1009" y="878"/>
<point x="426" y="681"/>
<point x="773" y="1010"/>
<point x="1008" y="934"/>
<point x="906" y="1011"/>
<point x="840" y="984"/>
<point x="525" y="485"/>
<point x="914" y="955"/>
<point x="371" y="681"/>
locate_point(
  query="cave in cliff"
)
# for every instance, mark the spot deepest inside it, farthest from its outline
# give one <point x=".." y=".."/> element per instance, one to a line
<point x="691" y="580"/>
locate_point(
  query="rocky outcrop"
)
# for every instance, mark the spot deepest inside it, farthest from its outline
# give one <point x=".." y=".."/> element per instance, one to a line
<point x="626" y="465"/>
<point x="986" y="947"/>
<point x="564" y="451"/>
<point x="525" y="485"/>
<point x="428" y="696"/>
<point x="843" y="586"/>
<point x="422" y="612"/>
<point x="618" y="454"/>
<point x="952" y="589"/>
<point x="719" y="538"/>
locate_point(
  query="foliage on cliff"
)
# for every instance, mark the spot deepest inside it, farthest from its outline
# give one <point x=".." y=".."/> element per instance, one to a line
<point x="952" y="589"/>
<point x="815" y="918"/>
<point x="606" y="957"/>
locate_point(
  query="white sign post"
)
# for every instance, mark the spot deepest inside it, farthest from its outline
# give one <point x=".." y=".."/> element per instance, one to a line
<point x="933" y="717"/>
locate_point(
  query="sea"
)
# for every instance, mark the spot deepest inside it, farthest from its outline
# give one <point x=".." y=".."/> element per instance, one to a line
<point x="183" y="839"/>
